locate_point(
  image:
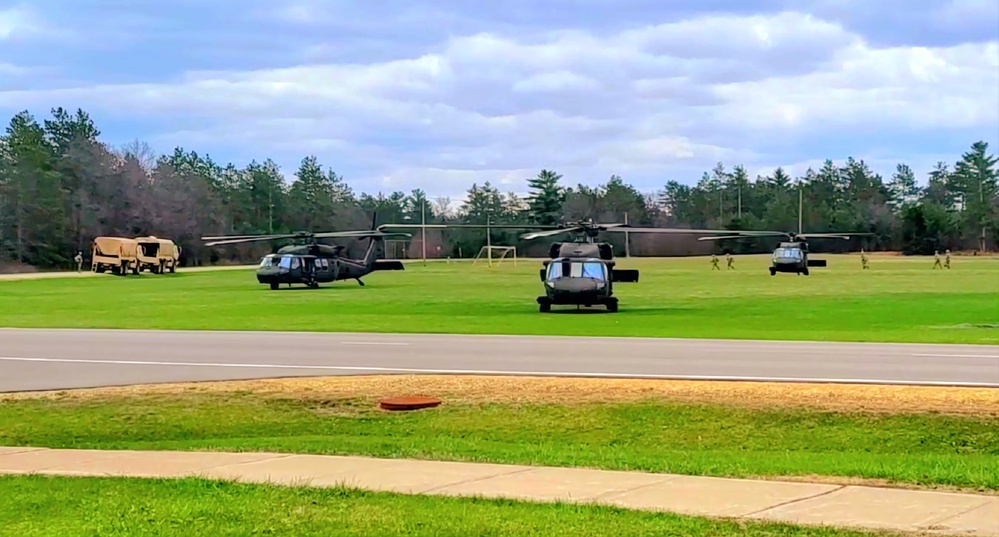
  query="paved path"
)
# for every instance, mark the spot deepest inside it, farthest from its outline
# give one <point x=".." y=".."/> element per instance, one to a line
<point x="62" y="359"/>
<point x="800" y="503"/>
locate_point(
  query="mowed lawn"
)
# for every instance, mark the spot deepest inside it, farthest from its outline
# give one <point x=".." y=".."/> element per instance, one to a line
<point x="41" y="506"/>
<point x="899" y="299"/>
<point x="646" y="435"/>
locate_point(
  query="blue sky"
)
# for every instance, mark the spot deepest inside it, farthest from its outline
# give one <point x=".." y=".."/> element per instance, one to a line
<point x="399" y="95"/>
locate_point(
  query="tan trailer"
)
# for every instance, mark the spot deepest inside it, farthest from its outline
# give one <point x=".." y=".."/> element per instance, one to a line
<point x="158" y="255"/>
<point x="118" y="254"/>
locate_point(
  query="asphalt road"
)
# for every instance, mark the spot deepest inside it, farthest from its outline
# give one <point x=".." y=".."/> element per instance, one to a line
<point x="61" y="359"/>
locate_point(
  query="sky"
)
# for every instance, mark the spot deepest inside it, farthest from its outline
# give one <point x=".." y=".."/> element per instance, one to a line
<point x="397" y="95"/>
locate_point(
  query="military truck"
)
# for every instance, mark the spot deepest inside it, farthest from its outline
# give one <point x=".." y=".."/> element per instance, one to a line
<point x="158" y="255"/>
<point x="118" y="254"/>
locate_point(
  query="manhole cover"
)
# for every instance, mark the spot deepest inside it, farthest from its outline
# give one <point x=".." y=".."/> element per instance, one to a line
<point x="408" y="402"/>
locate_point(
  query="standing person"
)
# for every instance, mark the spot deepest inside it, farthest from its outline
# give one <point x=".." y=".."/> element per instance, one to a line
<point x="863" y="259"/>
<point x="936" y="259"/>
<point x="714" y="262"/>
<point x="79" y="261"/>
<point x="947" y="259"/>
<point x="729" y="261"/>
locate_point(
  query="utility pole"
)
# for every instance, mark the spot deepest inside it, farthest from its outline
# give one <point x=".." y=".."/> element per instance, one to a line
<point x="270" y="209"/>
<point x="801" y="204"/>
<point x="489" y="241"/>
<point x="423" y="229"/>
<point x="739" y="190"/>
<point x="627" y="240"/>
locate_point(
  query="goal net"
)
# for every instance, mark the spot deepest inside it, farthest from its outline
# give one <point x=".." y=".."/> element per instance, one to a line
<point x="496" y="253"/>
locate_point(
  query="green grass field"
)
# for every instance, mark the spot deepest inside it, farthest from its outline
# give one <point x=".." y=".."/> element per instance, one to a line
<point x="36" y="506"/>
<point x="898" y="299"/>
<point x="657" y="436"/>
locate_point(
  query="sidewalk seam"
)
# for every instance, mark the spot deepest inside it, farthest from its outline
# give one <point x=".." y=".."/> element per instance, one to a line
<point x="796" y="500"/>
<point x="473" y="480"/>
<point x="942" y="521"/>
<point x="620" y="492"/>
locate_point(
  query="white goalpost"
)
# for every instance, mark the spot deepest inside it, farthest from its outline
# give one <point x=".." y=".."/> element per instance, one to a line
<point x="498" y="253"/>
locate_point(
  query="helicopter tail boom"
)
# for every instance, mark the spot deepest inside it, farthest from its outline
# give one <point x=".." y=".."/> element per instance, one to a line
<point x="387" y="264"/>
<point x="624" y="275"/>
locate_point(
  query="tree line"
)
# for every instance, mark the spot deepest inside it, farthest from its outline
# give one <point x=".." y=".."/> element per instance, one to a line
<point x="61" y="186"/>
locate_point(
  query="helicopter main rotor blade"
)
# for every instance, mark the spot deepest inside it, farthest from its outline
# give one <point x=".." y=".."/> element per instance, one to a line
<point x="465" y="226"/>
<point x="250" y="239"/>
<point x="844" y="236"/>
<point x="622" y="228"/>
<point x="727" y="237"/>
<point x="551" y="233"/>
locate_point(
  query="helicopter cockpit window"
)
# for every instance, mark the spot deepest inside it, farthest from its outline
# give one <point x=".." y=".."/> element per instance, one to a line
<point x="586" y="269"/>
<point x="787" y="253"/>
<point x="286" y="262"/>
<point x="593" y="270"/>
<point x="268" y="261"/>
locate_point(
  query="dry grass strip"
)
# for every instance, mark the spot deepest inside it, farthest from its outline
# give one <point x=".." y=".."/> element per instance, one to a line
<point x="540" y="390"/>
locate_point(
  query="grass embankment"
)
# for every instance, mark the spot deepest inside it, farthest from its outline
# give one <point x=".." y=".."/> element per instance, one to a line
<point x="35" y="506"/>
<point x="945" y="437"/>
<point x="898" y="299"/>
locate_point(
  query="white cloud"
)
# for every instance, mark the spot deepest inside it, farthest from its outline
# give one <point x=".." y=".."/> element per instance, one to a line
<point x="647" y="102"/>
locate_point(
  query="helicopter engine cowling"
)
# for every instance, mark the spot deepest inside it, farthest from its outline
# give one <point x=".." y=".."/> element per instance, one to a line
<point x="554" y="249"/>
<point x="606" y="251"/>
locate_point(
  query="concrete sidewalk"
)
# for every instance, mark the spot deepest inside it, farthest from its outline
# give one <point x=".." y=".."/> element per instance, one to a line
<point x="800" y="503"/>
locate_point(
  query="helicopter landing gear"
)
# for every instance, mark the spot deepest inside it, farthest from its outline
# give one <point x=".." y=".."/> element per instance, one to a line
<point x="313" y="284"/>
<point x="359" y="282"/>
<point x="612" y="306"/>
<point x="773" y="271"/>
<point x="804" y="271"/>
<point x="274" y="286"/>
<point x="544" y="307"/>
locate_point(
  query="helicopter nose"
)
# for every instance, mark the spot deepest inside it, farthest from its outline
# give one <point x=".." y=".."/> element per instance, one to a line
<point x="574" y="285"/>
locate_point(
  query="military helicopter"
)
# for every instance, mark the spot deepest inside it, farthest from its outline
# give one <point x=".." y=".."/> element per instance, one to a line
<point x="790" y="255"/>
<point x="311" y="263"/>
<point x="580" y="272"/>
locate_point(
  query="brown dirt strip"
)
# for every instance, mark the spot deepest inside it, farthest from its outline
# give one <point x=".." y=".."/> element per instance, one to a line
<point x="455" y="389"/>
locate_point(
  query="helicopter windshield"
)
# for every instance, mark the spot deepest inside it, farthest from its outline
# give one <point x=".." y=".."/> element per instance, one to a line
<point x="577" y="269"/>
<point x="268" y="261"/>
<point x="787" y="253"/>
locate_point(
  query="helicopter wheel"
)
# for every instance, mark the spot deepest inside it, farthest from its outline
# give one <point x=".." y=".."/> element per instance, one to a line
<point x="612" y="307"/>
<point x="773" y="272"/>
<point x="274" y="286"/>
<point x="805" y="272"/>
<point x="544" y="308"/>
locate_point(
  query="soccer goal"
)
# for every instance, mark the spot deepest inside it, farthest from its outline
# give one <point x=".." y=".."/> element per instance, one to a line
<point x="496" y="253"/>
<point x="396" y="249"/>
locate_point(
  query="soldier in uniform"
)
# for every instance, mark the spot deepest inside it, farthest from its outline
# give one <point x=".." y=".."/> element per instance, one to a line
<point x="863" y="259"/>
<point x="729" y="261"/>
<point x="947" y="259"/>
<point x="79" y="261"/>
<point x="936" y="259"/>
<point x="714" y="262"/>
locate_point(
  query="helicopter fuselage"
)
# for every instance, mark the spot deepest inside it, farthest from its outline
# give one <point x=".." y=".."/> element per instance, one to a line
<point x="578" y="281"/>
<point x="793" y="257"/>
<point x="287" y="267"/>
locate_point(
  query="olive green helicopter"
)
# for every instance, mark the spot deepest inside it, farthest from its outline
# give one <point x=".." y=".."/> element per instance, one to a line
<point x="311" y="263"/>
<point x="579" y="272"/>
